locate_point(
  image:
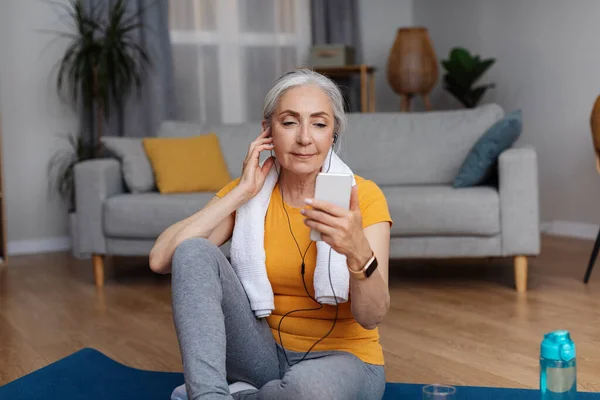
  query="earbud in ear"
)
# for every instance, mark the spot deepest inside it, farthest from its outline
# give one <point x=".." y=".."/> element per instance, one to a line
<point x="335" y="137"/>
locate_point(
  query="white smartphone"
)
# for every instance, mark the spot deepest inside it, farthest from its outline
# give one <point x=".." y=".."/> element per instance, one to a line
<point x="333" y="188"/>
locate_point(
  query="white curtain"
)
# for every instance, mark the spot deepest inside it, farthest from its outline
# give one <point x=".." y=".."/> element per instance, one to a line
<point x="227" y="53"/>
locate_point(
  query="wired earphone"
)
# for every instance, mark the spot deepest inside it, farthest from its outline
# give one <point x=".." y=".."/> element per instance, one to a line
<point x="302" y="270"/>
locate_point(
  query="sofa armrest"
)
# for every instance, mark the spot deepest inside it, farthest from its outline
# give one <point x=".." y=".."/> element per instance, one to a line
<point x="519" y="202"/>
<point x="95" y="181"/>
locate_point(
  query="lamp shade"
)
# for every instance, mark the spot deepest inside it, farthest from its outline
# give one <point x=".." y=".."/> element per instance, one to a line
<point x="412" y="64"/>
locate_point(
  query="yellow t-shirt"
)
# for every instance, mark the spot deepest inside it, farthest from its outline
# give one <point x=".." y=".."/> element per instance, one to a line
<point x="300" y="330"/>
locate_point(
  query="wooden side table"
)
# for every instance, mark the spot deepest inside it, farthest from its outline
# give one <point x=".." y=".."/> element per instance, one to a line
<point x="366" y="72"/>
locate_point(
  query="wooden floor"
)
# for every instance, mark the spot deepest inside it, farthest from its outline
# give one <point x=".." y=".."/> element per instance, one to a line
<point x="457" y="322"/>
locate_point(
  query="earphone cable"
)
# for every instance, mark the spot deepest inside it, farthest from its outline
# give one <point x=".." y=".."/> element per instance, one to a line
<point x="304" y="282"/>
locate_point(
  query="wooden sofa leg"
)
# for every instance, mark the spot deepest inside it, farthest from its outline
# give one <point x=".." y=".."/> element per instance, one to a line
<point x="98" y="260"/>
<point x="521" y="273"/>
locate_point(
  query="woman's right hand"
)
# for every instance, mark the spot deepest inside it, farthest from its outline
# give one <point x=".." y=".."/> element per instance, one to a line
<point x="253" y="176"/>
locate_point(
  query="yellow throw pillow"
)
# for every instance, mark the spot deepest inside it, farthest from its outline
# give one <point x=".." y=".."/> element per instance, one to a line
<point x="187" y="164"/>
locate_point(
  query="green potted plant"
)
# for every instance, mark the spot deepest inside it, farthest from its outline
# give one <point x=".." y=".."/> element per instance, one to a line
<point x="103" y="63"/>
<point x="100" y="68"/>
<point x="463" y="70"/>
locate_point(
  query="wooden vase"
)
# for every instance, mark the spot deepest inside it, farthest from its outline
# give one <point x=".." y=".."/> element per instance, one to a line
<point x="595" y="125"/>
<point x="412" y="65"/>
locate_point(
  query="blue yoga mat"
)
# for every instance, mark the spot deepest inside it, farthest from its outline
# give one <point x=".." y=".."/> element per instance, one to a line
<point x="89" y="374"/>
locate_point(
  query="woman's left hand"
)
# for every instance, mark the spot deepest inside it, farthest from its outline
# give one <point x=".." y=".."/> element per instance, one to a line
<point x="340" y="228"/>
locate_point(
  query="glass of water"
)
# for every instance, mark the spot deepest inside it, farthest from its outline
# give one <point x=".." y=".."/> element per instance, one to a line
<point x="439" y="392"/>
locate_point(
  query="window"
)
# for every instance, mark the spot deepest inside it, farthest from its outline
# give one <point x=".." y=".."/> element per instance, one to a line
<point x="227" y="53"/>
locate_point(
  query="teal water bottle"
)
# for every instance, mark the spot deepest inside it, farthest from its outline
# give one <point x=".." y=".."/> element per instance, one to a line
<point x="558" y="367"/>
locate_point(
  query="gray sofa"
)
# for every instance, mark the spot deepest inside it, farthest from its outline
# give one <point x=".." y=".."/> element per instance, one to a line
<point x="413" y="157"/>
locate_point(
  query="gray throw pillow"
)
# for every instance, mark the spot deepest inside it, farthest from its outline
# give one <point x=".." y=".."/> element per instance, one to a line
<point x="137" y="171"/>
<point x="483" y="156"/>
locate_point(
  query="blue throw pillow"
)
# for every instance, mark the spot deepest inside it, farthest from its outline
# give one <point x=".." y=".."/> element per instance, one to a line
<point x="484" y="155"/>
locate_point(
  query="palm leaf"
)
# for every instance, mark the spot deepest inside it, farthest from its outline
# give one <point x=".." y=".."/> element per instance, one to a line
<point x="59" y="34"/>
<point x="102" y="64"/>
<point x="139" y="14"/>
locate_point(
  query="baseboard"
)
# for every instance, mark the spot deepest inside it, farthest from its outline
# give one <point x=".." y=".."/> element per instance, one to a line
<point x="578" y="230"/>
<point x="49" y="245"/>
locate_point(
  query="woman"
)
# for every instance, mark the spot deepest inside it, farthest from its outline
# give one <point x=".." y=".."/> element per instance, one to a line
<point x="221" y="339"/>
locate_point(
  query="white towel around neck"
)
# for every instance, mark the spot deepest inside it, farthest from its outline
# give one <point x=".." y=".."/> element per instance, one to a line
<point x="248" y="251"/>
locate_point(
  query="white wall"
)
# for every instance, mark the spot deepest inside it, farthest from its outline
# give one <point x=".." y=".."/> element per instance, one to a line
<point x="547" y="65"/>
<point x="32" y="116"/>
<point x="379" y="20"/>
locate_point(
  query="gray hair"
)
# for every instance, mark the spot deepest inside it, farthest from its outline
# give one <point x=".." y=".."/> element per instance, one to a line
<point x="301" y="77"/>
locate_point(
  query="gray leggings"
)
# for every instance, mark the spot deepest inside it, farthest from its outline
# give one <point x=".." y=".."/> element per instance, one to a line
<point x="221" y="341"/>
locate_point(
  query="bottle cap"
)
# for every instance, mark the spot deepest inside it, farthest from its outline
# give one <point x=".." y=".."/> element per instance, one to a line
<point x="558" y="346"/>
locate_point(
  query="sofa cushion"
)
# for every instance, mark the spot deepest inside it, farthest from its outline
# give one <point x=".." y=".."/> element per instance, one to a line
<point x="137" y="171"/>
<point x="414" y="148"/>
<point x="187" y="164"/>
<point x="443" y="210"/>
<point x="234" y="139"/>
<point x="147" y="215"/>
<point x="480" y="161"/>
